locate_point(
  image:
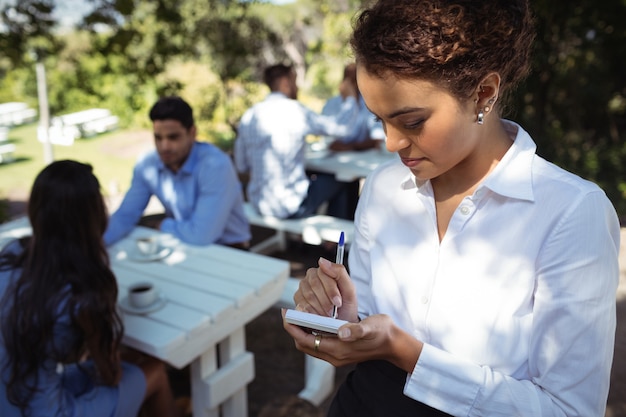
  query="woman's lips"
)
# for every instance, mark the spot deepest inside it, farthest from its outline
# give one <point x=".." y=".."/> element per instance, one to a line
<point x="412" y="162"/>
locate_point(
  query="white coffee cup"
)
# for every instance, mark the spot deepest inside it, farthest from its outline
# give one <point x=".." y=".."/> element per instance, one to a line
<point x="147" y="245"/>
<point x="142" y="294"/>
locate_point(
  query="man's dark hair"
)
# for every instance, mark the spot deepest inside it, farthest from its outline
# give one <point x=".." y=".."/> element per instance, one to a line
<point x="172" y="108"/>
<point x="274" y="73"/>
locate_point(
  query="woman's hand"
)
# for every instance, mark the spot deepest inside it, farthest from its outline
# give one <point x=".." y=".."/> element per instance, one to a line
<point x="376" y="337"/>
<point x="325" y="287"/>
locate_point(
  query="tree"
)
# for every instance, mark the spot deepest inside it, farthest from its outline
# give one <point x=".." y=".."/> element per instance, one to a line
<point x="574" y="102"/>
<point x="24" y="23"/>
<point x="126" y="53"/>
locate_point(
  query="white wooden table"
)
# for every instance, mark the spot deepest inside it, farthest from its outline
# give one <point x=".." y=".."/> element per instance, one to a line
<point x="65" y="129"/>
<point x="212" y="292"/>
<point x="347" y="166"/>
<point x="16" y="113"/>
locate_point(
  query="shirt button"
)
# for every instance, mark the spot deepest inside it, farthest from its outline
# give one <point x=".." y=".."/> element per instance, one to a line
<point x="424" y="300"/>
<point x="465" y="210"/>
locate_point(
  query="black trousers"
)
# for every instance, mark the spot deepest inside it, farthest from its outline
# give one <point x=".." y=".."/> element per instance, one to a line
<point x="374" y="389"/>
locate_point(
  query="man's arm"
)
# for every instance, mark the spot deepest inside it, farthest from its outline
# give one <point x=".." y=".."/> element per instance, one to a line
<point x="132" y="207"/>
<point x="218" y="192"/>
<point x="239" y="151"/>
<point x="340" y="125"/>
<point x="360" y="145"/>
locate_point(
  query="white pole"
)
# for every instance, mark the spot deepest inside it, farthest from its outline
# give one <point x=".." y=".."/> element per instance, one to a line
<point x="44" y="113"/>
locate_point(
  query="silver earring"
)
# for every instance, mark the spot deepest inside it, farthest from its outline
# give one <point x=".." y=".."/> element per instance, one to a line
<point x="481" y="117"/>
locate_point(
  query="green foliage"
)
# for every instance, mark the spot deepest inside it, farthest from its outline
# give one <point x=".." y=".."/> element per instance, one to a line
<point x="112" y="156"/>
<point x="26" y="28"/>
<point x="573" y="102"/>
<point x="127" y="53"/>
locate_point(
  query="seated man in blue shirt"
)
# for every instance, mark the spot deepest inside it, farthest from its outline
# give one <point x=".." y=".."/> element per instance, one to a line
<point x="370" y="133"/>
<point x="195" y="181"/>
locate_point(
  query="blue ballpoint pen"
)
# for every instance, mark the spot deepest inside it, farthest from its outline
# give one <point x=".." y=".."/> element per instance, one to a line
<point x="339" y="260"/>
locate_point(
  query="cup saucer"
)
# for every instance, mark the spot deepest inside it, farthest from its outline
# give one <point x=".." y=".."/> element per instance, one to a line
<point x="137" y="255"/>
<point x="127" y="307"/>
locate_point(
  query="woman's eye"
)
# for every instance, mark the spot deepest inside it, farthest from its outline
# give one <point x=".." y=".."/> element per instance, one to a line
<point x="414" y="125"/>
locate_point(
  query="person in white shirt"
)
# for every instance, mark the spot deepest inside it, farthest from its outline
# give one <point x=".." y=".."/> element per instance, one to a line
<point x="370" y="133"/>
<point x="270" y="148"/>
<point x="482" y="278"/>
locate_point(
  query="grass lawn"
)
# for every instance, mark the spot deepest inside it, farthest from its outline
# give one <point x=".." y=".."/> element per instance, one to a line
<point x="112" y="156"/>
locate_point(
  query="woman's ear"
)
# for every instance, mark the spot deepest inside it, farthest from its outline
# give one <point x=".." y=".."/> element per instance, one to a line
<point x="487" y="91"/>
<point x="486" y="96"/>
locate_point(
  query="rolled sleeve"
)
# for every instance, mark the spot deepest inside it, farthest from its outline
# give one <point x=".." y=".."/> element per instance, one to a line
<point x="218" y="193"/>
<point x="135" y="201"/>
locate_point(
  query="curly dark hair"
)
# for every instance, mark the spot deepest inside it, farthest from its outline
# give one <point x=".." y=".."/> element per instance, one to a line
<point x="63" y="271"/>
<point x="453" y="43"/>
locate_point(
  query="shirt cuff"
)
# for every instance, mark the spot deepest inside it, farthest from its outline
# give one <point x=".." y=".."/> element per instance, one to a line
<point x="168" y="225"/>
<point x="442" y="381"/>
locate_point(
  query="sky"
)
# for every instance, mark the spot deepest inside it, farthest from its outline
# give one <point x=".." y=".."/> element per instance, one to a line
<point x="71" y="11"/>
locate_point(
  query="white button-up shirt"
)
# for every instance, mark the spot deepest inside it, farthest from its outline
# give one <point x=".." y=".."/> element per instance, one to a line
<point x="270" y="146"/>
<point x="515" y="305"/>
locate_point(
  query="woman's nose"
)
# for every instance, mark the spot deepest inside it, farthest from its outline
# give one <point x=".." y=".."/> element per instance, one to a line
<point x="395" y="140"/>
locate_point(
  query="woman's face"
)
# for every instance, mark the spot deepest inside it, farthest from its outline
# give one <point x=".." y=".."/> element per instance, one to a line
<point x="432" y="132"/>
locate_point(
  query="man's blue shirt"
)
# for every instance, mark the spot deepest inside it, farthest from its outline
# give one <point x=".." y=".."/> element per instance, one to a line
<point x="203" y="201"/>
<point x="369" y="127"/>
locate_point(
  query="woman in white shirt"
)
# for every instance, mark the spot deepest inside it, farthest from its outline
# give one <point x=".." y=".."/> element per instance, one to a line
<point x="482" y="277"/>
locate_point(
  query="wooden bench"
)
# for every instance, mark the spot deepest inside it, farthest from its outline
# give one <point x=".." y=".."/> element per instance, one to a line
<point x="313" y="230"/>
<point x="6" y="152"/>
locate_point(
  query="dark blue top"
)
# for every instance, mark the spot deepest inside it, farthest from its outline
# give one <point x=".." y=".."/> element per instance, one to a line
<point x="67" y="389"/>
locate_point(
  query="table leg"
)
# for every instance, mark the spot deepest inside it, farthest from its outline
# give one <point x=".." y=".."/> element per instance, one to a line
<point x="231" y="348"/>
<point x="202" y="367"/>
<point x="220" y="376"/>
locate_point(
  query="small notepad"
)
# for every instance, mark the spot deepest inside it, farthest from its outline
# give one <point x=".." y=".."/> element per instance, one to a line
<point x="313" y="321"/>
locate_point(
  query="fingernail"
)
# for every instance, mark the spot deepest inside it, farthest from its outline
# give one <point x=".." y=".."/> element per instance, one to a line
<point x="344" y="333"/>
<point x="337" y="301"/>
<point x="324" y="261"/>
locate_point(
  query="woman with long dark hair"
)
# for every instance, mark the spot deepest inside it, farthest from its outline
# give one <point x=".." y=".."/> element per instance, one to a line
<point x="61" y="333"/>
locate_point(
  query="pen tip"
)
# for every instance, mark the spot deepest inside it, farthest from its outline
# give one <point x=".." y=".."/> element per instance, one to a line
<point x="341" y="238"/>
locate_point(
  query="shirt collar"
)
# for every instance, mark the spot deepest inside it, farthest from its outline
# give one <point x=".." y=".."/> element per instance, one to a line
<point x="512" y="177"/>
<point x="276" y="95"/>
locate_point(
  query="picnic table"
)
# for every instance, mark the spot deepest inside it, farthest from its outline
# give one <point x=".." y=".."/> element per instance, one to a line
<point x="208" y="294"/>
<point x="6" y="148"/>
<point x="16" y="113"/>
<point x="65" y="129"/>
<point x="347" y="166"/>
